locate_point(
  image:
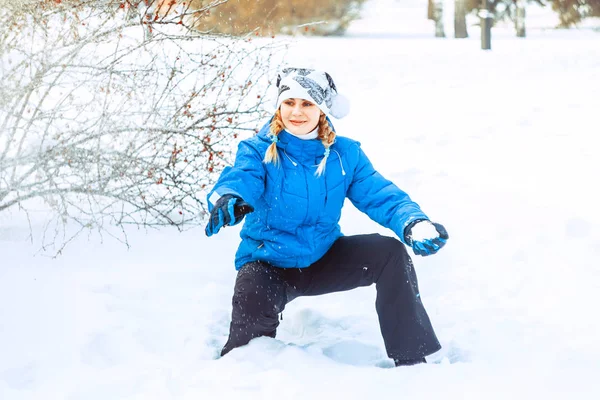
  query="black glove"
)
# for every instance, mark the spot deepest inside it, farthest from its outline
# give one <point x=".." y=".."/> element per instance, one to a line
<point x="229" y="210"/>
<point x="426" y="247"/>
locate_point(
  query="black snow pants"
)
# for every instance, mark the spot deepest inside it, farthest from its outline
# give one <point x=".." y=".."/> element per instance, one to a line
<point x="262" y="291"/>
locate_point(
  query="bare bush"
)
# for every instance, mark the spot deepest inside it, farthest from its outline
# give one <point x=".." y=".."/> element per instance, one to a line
<point x="572" y="12"/>
<point x="115" y="114"/>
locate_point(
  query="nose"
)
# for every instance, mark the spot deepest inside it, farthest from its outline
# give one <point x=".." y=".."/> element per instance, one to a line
<point x="297" y="110"/>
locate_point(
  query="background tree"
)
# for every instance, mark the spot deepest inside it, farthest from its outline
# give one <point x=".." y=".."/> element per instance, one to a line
<point x="112" y="113"/>
<point x="519" y="18"/>
<point x="460" y="19"/>
<point x="435" y="12"/>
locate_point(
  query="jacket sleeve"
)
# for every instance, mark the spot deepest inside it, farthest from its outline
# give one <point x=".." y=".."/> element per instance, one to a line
<point x="245" y="179"/>
<point x="380" y="199"/>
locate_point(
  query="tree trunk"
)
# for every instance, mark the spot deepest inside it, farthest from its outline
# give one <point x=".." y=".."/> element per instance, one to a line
<point x="430" y="10"/>
<point x="438" y="14"/>
<point x="520" y="18"/>
<point x="460" y="19"/>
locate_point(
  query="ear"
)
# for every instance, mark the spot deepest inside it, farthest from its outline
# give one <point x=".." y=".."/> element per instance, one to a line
<point x="330" y="80"/>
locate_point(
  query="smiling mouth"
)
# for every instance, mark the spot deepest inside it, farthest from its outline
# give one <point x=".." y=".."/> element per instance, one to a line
<point x="297" y="122"/>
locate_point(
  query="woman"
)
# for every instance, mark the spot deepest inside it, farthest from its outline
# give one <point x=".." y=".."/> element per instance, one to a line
<point x="290" y="181"/>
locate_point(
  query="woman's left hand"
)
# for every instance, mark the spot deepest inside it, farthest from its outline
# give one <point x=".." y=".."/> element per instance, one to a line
<point x="424" y="240"/>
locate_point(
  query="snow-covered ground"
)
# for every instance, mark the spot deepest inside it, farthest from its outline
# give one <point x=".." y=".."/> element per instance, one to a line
<point x="500" y="146"/>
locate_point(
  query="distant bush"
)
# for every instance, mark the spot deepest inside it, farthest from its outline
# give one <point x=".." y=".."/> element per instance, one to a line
<point x="573" y="11"/>
<point x="570" y="12"/>
<point x="270" y="17"/>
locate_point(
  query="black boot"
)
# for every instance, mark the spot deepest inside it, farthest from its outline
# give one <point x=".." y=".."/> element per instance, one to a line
<point x="406" y="363"/>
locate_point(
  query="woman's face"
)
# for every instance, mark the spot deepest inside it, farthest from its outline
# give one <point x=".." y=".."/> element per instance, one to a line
<point x="299" y="116"/>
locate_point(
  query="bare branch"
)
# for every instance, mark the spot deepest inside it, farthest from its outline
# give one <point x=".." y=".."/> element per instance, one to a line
<point x="113" y="118"/>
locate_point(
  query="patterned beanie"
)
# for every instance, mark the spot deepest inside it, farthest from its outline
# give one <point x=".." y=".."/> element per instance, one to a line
<point x="312" y="85"/>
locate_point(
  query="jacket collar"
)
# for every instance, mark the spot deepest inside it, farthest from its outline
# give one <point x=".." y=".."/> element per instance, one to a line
<point x="303" y="151"/>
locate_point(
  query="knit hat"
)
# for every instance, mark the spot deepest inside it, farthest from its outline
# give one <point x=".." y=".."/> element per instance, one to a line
<point x="312" y="85"/>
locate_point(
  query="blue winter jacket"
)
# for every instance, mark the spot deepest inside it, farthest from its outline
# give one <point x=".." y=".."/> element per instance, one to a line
<point x="296" y="217"/>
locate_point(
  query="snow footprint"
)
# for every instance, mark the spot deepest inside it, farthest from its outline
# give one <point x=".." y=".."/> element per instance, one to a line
<point x="20" y="378"/>
<point x="356" y="353"/>
<point x="450" y="353"/>
<point x="101" y="351"/>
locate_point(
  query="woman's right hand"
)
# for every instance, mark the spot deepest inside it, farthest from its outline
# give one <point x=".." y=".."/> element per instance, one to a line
<point x="229" y="210"/>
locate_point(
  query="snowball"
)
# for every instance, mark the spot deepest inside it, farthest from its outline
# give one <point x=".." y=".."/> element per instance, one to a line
<point x="423" y="230"/>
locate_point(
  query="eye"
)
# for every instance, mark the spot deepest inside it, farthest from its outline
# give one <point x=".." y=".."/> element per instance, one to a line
<point x="307" y="104"/>
<point x="289" y="103"/>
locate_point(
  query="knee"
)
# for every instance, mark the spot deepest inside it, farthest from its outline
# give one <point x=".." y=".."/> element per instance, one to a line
<point x="397" y="259"/>
<point x="258" y="288"/>
<point x="394" y="248"/>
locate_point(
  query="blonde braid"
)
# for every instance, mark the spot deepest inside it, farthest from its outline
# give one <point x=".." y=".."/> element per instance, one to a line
<point x="327" y="136"/>
<point x="271" y="156"/>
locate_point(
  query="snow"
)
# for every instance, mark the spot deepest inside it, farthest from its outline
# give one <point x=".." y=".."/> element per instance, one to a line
<point x="498" y="146"/>
<point x="422" y="231"/>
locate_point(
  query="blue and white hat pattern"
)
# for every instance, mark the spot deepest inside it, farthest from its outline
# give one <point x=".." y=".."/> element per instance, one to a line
<point x="312" y="85"/>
